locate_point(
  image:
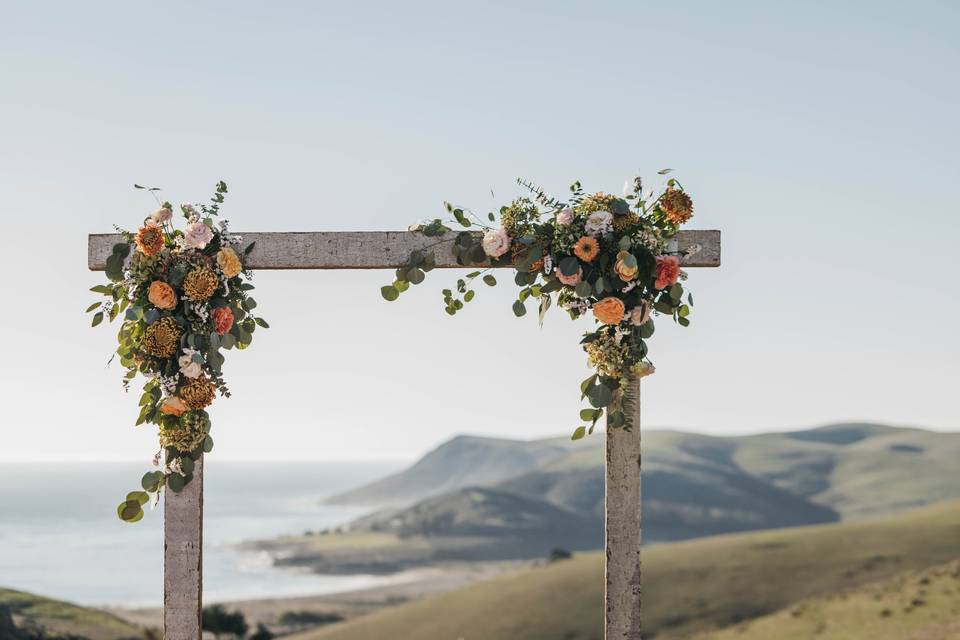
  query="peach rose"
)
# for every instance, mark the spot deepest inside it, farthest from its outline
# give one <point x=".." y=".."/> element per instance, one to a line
<point x="668" y="271"/>
<point x="161" y="295"/>
<point x="173" y="406"/>
<point x="222" y="319"/>
<point x="609" y="310"/>
<point x="623" y="271"/>
<point x="229" y="262"/>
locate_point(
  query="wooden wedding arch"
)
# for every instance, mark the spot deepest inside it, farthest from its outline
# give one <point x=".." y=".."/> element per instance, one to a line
<point x="183" y="512"/>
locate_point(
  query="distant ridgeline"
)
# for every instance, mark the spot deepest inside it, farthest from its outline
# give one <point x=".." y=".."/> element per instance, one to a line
<point x="693" y="485"/>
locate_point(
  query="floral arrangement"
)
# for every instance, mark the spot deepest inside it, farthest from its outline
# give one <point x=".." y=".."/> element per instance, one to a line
<point x="184" y="296"/>
<point x="612" y="257"/>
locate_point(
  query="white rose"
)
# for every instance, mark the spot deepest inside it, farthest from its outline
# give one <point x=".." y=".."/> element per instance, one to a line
<point x="599" y="223"/>
<point x="496" y="242"/>
<point x="188" y="367"/>
<point x="197" y="235"/>
<point x="565" y="217"/>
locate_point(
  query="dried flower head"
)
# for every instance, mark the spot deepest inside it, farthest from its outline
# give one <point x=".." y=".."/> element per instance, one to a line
<point x="604" y="202"/>
<point x="188" y="433"/>
<point x="197" y="393"/>
<point x="677" y="205"/>
<point x="162" y="338"/>
<point x="200" y="284"/>
<point x="621" y="223"/>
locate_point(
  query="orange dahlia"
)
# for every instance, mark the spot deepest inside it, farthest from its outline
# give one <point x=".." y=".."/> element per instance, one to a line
<point x="677" y="205"/>
<point x="149" y="240"/>
<point x="586" y="248"/>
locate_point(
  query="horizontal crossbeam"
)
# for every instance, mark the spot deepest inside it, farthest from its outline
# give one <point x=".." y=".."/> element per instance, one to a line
<point x="374" y="249"/>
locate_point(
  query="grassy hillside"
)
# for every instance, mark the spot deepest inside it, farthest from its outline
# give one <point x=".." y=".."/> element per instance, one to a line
<point x="916" y="605"/>
<point x="689" y="587"/>
<point x="58" y="617"/>
<point x="696" y="485"/>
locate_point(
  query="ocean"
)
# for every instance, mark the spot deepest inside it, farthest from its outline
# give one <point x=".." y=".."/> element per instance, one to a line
<point x="60" y="535"/>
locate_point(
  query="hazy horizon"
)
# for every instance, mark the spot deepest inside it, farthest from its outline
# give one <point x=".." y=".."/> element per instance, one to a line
<point x="818" y="137"/>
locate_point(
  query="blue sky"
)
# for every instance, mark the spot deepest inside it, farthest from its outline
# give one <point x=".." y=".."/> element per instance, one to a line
<point x="820" y="137"/>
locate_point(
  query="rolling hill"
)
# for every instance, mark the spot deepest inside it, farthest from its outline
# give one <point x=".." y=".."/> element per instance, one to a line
<point x="696" y="485"/>
<point x="698" y="586"/>
<point x="57" y="618"/>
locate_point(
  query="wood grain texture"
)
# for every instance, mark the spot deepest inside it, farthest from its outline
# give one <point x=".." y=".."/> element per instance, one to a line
<point x="183" y="559"/>
<point x="371" y="249"/>
<point x="622" y="513"/>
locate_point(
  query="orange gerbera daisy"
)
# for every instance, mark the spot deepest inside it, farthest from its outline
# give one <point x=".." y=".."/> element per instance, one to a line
<point x="586" y="248"/>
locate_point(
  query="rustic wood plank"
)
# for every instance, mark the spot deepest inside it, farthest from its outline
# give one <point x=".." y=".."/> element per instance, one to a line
<point x="622" y="513"/>
<point x="183" y="559"/>
<point x="372" y="249"/>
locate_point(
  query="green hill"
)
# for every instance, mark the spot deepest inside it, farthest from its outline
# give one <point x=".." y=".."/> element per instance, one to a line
<point x="57" y="618"/>
<point x="915" y="605"/>
<point x="696" y="485"/>
<point x="689" y="587"/>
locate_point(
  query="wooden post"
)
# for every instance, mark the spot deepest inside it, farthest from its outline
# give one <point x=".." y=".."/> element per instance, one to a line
<point x="183" y="559"/>
<point x="622" y="512"/>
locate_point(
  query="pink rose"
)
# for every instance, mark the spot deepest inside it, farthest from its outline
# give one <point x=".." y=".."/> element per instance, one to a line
<point x="197" y="235"/>
<point x="162" y="215"/>
<point x="668" y="271"/>
<point x="573" y="280"/>
<point x="496" y="242"/>
<point x="565" y="217"/>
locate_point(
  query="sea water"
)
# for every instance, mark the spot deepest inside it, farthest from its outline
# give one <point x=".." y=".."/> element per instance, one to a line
<point x="60" y="535"/>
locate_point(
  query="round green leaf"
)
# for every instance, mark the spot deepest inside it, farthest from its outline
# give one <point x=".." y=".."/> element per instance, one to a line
<point x="389" y="293"/>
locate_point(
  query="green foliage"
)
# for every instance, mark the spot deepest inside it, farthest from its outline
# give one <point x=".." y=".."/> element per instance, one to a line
<point x="218" y="621"/>
<point x="549" y="240"/>
<point x="218" y="316"/>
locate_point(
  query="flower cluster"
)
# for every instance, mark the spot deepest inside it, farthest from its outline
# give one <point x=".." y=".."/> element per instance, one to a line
<point x="599" y="254"/>
<point x="184" y="296"/>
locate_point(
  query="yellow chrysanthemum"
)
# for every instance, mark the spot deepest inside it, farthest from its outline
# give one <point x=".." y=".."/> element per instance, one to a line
<point x="162" y="338"/>
<point x="197" y="393"/>
<point x="624" y="222"/>
<point x="200" y="284"/>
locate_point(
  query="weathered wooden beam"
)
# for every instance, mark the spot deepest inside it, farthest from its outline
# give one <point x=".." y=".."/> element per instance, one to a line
<point x="183" y="559"/>
<point x="622" y="513"/>
<point x="372" y="249"/>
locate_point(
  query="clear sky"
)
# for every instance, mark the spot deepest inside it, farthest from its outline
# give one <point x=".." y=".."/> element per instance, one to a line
<point x="821" y="137"/>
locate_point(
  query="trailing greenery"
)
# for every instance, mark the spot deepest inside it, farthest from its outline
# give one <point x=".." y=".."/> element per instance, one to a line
<point x="184" y="296"/>
<point x="613" y="256"/>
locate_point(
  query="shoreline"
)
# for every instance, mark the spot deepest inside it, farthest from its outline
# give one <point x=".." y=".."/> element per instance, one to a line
<point x="411" y="584"/>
